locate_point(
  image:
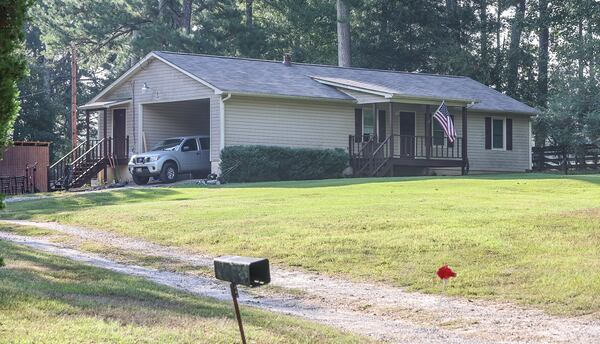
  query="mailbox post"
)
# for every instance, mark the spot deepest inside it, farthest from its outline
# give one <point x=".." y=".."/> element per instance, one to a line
<point x="251" y="272"/>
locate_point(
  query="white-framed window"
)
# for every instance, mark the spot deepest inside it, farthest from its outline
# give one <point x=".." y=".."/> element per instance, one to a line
<point x="498" y="133"/>
<point x="368" y="122"/>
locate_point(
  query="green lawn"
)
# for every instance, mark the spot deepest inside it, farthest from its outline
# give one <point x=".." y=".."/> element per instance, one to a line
<point x="534" y="239"/>
<point x="46" y="299"/>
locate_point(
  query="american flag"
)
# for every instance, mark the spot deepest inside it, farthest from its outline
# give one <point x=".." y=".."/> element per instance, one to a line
<point x="445" y="120"/>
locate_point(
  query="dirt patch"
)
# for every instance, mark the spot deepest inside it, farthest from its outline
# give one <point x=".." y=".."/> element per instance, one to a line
<point x="377" y="310"/>
<point x="589" y="213"/>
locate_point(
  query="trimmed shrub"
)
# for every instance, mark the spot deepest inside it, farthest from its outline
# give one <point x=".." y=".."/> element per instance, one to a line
<point x="271" y="163"/>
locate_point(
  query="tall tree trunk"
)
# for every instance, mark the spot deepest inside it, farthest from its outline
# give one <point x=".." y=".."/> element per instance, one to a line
<point x="592" y="56"/>
<point x="343" y="32"/>
<point x="514" y="52"/>
<point x="249" y="14"/>
<point x="186" y="16"/>
<point x="484" y="41"/>
<point x="581" y="50"/>
<point x="543" y="48"/>
<point x="498" y="66"/>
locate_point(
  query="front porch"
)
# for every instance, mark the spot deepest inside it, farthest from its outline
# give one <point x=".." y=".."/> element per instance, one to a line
<point x="395" y="135"/>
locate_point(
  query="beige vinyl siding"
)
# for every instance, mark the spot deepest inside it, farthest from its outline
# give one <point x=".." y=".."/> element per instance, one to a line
<point x="291" y="123"/>
<point x="481" y="159"/>
<point x="166" y="85"/>
<point x="215" y="129"/>
<point x="166" y="120"/>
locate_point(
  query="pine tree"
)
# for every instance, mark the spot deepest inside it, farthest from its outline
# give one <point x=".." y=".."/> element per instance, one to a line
<point x="13" y="67"/>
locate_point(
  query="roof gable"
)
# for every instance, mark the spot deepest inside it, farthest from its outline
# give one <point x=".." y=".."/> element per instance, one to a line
<point x="140" y="66"/>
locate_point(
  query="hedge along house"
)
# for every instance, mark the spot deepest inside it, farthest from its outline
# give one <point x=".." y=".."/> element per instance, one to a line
<point x="382" y="118"/>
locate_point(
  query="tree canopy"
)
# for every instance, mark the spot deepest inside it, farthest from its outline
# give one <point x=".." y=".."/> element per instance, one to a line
<point x="538" y="51"/>
<point x="13" y="66"/>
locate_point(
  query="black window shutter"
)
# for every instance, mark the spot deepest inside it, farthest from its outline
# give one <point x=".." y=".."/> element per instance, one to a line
<point x="509" y="134"/>
<point x="488" y="133"/>
<point x="381" y="126"/>
<point x="358" y="125"/>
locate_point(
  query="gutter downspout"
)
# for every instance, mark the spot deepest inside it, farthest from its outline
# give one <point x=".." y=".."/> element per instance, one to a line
<point x="222" y="122"/>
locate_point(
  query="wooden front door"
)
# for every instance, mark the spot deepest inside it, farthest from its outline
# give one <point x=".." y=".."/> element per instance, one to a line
<point x="119" y="118"/>
<point x="407" y="134"/>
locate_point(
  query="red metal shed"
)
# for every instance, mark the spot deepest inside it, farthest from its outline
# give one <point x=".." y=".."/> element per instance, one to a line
<point x="26" y="159"/>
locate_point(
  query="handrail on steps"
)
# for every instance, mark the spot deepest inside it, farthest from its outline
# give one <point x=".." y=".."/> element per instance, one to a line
<point x="67" y="155"/>
<point x="87" y="152"/>
<point x="382" y="144"/>
<point x="365" y="144"/>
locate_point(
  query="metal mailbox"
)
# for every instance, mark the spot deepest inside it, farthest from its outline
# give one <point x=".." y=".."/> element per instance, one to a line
<point x="251" y="272"/>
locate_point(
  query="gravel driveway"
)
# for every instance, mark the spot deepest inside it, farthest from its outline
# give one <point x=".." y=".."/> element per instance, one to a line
<point x="380" y="311"/>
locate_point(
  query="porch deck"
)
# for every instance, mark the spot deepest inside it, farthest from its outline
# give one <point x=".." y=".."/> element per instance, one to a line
<point x="373" y="156"/>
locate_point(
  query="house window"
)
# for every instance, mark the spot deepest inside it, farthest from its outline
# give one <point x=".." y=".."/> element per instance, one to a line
<point x="438" y="133"/>
<point x="368" y="123"/>
<point x="497" y="133"/>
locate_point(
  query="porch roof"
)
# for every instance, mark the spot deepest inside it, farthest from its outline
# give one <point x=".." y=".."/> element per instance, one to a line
<point x="105" y="104"/>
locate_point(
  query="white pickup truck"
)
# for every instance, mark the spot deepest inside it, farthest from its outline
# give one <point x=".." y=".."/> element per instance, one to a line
<point x="170" y="157"/>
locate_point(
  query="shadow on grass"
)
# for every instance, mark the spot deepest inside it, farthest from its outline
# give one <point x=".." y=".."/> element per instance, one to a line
<point x="47" y="206"/>
<point x="27" y="209"/>
<point x="300" y="184"/>
<point x="90" y="291"/>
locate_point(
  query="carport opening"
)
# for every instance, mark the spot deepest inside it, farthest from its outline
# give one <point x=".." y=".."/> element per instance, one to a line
<point x="173" y="119"/>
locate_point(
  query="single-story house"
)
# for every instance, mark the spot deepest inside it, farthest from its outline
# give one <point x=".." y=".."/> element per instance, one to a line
<point x="382" y="118"/>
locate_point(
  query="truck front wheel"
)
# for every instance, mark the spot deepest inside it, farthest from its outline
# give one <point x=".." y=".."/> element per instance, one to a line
<point x="169" y="173"/>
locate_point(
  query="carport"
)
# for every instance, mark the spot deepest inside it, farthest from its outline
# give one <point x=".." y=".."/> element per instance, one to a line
<point x="170" y="119"/>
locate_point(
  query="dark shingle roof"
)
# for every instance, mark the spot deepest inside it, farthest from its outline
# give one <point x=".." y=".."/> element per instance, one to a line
<point x="243" y="75"/>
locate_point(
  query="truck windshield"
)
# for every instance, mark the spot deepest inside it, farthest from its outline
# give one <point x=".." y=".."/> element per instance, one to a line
<point x="167" y="145"/>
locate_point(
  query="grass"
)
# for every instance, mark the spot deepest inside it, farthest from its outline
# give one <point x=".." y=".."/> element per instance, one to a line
<point x="48" y="299"/>
<point x="532" y="239"/>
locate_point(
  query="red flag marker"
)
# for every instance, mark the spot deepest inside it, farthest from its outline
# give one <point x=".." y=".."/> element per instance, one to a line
<point x="445" y="272"/>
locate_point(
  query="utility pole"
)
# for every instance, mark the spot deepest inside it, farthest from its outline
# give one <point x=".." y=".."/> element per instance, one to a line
<point x="74" y="94"/>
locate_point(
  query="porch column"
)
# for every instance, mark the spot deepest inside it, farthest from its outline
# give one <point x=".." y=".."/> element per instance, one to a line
<point x="105" y="134"/>
<point x="392" y="129"/>
<point x="87" y="129"/>
<point x="427" y="131"/>
<point x="375" y="122"/>
<point x="464" y="140"/>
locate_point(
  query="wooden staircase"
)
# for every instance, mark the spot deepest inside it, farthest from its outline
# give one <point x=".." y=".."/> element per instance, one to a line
<point x="80" y="165"/>
<point x="373" y="157"/>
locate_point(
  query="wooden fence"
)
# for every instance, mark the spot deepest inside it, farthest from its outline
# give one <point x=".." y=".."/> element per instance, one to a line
<point x="583" y="158"/>
<point x="24" y="168"/>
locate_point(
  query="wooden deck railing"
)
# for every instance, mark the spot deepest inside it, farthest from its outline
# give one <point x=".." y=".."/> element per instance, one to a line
<point x="406" y="146"/>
